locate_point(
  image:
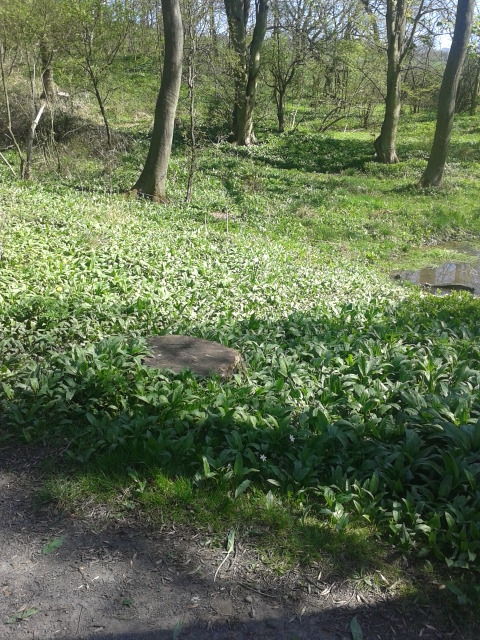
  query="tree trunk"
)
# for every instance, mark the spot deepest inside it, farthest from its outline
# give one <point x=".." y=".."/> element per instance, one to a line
<point x="191" y="62"/>
<point x="280" y="100"/>
<point x="448" y="92"/>
<point x="27" y="170"/>
<point x="396" y="22"/>
<point x="101" y="106"/>
<point x="152" y="181"/>
<point x="9" y="114"/>
<point x="49" y="91"/>
<point x="475" y="89"/>
<point x="386" y="143"/>
<point x="248" y="64"/>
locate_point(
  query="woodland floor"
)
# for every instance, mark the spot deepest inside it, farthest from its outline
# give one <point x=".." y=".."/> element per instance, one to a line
<point x="119" y="579"/>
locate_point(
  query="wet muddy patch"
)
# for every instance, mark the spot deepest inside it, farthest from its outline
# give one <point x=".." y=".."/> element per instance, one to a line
<point x="449" y="276"/>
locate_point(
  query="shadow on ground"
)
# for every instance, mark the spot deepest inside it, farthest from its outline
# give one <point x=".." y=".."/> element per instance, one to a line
<point x="311" y="153"/>
<point x="117" y="579"/>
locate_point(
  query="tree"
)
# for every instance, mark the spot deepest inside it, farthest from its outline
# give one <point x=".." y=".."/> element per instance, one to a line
<point x="247" y="65"/>
<point x="197" y="20"/>
<point x="469" y="85"/>
<point x="95" y="32"/>
<point x="398" y="15"/>
<point x="152" y="181"/>
<point x="297" y="26"/>
<point x="30" y="27"/>
<point x="448" y="91"/>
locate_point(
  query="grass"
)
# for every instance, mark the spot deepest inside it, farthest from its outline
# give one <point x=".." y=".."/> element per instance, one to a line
<point x="357" y="417"/>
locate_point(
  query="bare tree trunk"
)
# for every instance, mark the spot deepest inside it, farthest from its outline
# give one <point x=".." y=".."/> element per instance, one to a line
<point x="386" y="143"/>
<point x="49" y="91"/>
<point x="27" y="172"/>
<point x="191" y="60"/>
<point x="101" y="106"/>
<point x="248" y="64"/>
<point x="396" y="20"/>
<point x="212" y="28"/>
<point x="21" y="157"/>
<point x="475" y="89"/>
<point x="152" y="181"/>
<point x="448" y="92"/>
<point x="280" y="101"/>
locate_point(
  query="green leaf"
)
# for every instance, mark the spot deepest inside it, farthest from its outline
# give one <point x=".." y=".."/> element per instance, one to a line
<point x="91" y="418"/>
<point x="356" y="629"/>
<point x="269" y="500"/>
<point x="21" y="615"/>
<point x="374" y="481"/>
<point x="231" y="541"/>
<point x="177" y="630"/>
<point x="206" y="467"/>
<point x="53" y="545"/>
<point x="242" y="488"/>
<point x="238" y="466"/>
<point x="461" y="597"/>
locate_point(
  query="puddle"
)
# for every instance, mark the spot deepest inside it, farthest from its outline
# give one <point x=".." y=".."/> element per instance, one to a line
<point x="450" y="276"/>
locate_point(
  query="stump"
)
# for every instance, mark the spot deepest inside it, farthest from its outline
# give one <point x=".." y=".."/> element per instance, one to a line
<point x="202" y="357"/>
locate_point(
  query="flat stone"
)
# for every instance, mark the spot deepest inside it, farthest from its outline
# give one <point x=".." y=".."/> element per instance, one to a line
<point x="202" y="357"/>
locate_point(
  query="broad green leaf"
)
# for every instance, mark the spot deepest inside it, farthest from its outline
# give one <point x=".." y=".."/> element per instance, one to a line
<point x="21" y="615"/>
<point x="242" y="487"/>
<point x="356" y="629"/>
<point x="231" y="541"/>
<point x="53" y="545"/>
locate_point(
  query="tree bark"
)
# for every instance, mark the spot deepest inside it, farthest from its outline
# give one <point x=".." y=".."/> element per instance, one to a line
<point x="27" y="171"/>
<point x="248" y="64"/>
<point x="386" y="143"/>
<point x="191" y="73"/>
<point x="49" y="91"/>
<point x="448" y="92"/>
<point x="101" y="106"/>
<point x="475" y="89"/>
<point x="21" y="157"/>
<point x="152" y="181"/>
<point x="280" y="100"/>
<point x="396" y="22"/>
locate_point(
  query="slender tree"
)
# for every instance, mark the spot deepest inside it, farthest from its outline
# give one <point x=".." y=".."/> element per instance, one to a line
<point x="297" y="27"/>
<point x="95" y="32"/>
<point x="247" y="63"/>
<point x="197" y="15"/>
<point x="448" y="91"/>
<point x="152" y="181"/>
<point x="475" y="89"/>
<point x="398" y="15"/>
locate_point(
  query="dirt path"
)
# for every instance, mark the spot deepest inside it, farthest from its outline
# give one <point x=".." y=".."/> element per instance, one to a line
<point x="122" y="581"/>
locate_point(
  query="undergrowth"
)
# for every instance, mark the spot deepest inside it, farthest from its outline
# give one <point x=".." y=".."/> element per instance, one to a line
<point x="359" y="399"/>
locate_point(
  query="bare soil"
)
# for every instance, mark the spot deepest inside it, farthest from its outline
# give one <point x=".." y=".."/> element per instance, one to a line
<point x="117" y="579"/>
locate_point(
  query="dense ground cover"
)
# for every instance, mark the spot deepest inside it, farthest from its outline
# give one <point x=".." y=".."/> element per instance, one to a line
<point x="358" y="406"/>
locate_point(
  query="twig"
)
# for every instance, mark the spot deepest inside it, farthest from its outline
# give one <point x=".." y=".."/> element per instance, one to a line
<point x="221" y="565"/>
<point x="262" y="593"/>
<point x="8" y="164"/>
<point x="230" y="549"/>
<point x="79" y="616"/>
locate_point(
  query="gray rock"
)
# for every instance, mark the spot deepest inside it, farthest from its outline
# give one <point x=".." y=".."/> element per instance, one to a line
<point x="202" y="357"/>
